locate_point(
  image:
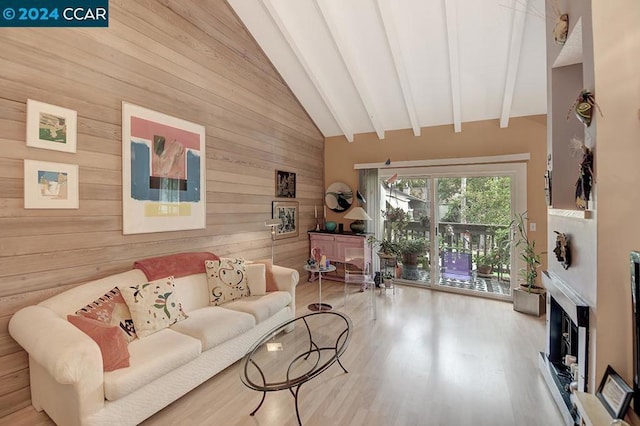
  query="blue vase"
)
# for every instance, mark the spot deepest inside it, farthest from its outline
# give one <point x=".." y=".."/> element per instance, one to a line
<point x="330" y="226"/>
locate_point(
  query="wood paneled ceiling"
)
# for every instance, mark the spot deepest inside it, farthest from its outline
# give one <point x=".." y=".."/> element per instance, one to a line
<point x="375" y="65"/>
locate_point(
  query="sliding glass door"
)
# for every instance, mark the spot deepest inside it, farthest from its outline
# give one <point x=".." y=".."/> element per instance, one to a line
<point x="449" y="226"/>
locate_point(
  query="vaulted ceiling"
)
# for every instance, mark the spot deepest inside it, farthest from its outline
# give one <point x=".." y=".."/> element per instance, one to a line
<point x="362" y="66"/>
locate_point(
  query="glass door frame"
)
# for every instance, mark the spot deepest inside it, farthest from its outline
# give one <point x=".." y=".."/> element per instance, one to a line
<point x="517" y="171"/>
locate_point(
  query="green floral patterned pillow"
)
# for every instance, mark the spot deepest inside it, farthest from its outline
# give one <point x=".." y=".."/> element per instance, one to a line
<point x="227" y="280"/>
<point x="153" y="305"/>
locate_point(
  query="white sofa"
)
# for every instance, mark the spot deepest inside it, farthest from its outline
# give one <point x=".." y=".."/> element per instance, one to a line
<point x="67" y="378"/>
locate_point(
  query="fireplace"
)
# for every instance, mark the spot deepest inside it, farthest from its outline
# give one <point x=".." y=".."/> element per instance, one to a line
<point x="567" y="340"/>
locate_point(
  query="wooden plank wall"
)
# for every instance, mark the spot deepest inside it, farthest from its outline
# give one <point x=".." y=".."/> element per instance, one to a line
<point x="187" y="58"/>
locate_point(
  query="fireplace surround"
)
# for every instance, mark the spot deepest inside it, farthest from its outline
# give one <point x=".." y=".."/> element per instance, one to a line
<point x="567" y="339"/>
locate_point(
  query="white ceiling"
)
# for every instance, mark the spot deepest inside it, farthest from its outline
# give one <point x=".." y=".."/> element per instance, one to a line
<point x="362" y="66"/>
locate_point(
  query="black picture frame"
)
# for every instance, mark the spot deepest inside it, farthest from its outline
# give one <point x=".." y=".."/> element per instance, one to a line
<point x="614" y="393"/>
<point x="285" y="184"/>
<point x="287" y="212"/>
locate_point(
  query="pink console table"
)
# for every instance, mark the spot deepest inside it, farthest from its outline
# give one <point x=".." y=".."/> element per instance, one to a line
<point x="333" y="246"/>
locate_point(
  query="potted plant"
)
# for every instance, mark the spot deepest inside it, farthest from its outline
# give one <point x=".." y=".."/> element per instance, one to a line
<point x="529" y="298"/>
<point x="486" y="262"/>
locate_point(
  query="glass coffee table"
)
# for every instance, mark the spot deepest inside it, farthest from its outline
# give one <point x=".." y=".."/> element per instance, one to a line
<point x="281" y="360"/>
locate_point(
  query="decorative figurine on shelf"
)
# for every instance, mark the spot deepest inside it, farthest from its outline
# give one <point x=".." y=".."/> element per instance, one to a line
<point x="583" y="106"/>
<point x="562" y="250"/>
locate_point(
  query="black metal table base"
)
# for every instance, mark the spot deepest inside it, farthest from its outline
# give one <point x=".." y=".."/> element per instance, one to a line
<point x="316" y="307"/>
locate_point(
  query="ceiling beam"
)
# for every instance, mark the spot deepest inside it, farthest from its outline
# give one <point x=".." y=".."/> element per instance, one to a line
<point x="515" y="46"/>
<point x="396" y="52"/>
<point x="352" y="68"/>
<point x="277" y="19"/>
<point x="454" y="64"/>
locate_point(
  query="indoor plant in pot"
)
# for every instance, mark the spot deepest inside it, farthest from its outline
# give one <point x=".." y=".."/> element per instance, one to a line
<point x="528" y="298"/>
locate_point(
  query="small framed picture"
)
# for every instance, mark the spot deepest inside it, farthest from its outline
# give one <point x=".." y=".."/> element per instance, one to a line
<point x="51" y="127"/>
<point x="50" y="185"/>
<point x="285" y="184"/>
<point x="287" y="212"/>
<point x="614" y="393"/>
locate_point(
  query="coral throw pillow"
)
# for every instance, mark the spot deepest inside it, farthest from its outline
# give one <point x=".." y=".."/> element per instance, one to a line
<point x="109" y="338"/>
<point x="271" y="280"/>
<point x="153" y="305"/>
<point x="111" y="309"/>
<point x="227" y="279"/>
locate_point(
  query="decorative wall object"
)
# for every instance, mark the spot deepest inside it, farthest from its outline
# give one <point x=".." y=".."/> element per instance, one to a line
<point x="163" y="172"/>
<point x="285" y="184"/>
<point x="51" y="127"/>
<point x="583" y="107"/>
<point x="561" y="29"/>
<point x="585" y="180"/>
<point x="50" y="185"/>
<point x="338" y="197"/>
<point x="562" y="249"/>
<point x="287" y="212"/>
<point x="614" y="393"/>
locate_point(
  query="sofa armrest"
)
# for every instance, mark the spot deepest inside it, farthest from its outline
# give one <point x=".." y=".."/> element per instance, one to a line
<point x="286" y="280"/>
<point x="65" y="352"/>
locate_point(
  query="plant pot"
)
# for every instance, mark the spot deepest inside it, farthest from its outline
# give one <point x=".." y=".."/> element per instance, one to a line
<point x="532" y="303"/>
<point x="484" y="271"/>
<point x="409" y="258"/>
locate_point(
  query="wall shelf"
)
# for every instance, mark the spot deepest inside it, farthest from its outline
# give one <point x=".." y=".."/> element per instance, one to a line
<point x="575" y="214"/>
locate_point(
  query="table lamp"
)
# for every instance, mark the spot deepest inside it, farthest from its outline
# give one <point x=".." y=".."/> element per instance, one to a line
<point x="272" y="223"/>
<point x="358" y="215"/>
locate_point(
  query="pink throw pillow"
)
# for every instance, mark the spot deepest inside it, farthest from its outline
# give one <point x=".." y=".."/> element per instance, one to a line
<point x="111" y="309"/>
<point x="110" y="340"/>
<point x="271" y="281"/>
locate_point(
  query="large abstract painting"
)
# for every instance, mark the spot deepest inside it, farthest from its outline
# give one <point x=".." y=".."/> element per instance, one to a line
<point x="163" y="172"/>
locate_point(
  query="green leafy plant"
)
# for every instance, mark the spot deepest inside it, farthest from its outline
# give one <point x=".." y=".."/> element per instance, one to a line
<point x="385" y="246"/>
<point x="529" y="254"/>
<point x="413" y="246"/>
<point x="491" y="258"/>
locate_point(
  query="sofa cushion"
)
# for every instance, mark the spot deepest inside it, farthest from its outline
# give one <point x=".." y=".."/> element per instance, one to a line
<point x="214" y="325"/>
<point x="256" y="279"/>
<point x="227" y="280"/>
<point x="110" y="340"/>
<point x="112" y="310"/>
<point x="153" y="305"/>
<point x="150" y="358"/>
<point x="269" y="277"/>
<point x="261" y="307"/>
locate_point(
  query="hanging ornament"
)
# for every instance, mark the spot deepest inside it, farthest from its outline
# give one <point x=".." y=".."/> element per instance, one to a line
<point x="562" y="250"/>
<point x="584" y="107"/>
<point x="585" y="180"/>
<point x="561" y="29"/>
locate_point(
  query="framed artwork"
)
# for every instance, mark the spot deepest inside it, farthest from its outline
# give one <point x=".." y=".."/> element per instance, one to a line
<point x="614" y="393"/>
<point x="163" y="172"/>
<point x="51" y="127"/>
<point x="50" y="185"/>
<point x="285" y="184"/>
<point x="338" y="197"/>
<point x="287" y="212"/>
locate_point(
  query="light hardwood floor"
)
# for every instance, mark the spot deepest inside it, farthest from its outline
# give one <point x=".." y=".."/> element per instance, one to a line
<point x="430" y="358"/>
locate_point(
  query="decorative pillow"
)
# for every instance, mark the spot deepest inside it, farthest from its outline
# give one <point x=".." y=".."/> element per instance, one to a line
<point x="256" y="279"/>
<point x="111" y="309"/>
<point x="153" y="305"/>
<point x="110" y="340"/>
<point x="271" y="280"/>
<point x="227" y="280"/>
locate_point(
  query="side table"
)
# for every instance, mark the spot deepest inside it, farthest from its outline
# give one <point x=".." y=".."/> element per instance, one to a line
<point x="317" y="270"/>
